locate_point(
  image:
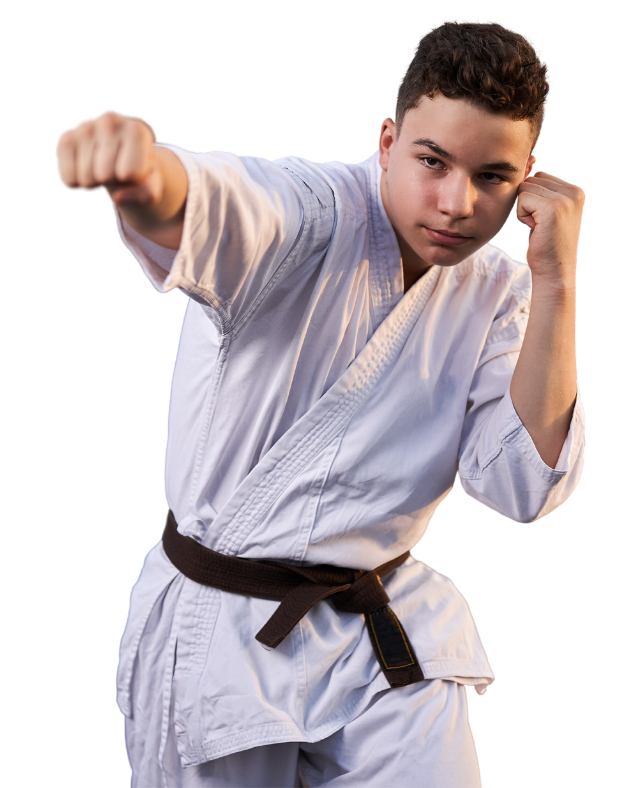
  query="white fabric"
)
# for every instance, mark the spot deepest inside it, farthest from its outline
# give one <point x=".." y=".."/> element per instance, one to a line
<point x="410" y="736"/>
<point x="319" y="415"/>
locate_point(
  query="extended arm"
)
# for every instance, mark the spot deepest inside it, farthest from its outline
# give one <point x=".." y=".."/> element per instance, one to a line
<point x="147" y="183"/>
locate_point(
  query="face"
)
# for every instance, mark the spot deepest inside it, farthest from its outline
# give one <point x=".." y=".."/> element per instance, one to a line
<point x="450" y="178"/>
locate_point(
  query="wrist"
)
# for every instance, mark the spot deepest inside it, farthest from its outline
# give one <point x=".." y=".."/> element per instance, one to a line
<point x="560" y="285"/>
<point x="159" y="199"/>
<point x="170" y="190"/>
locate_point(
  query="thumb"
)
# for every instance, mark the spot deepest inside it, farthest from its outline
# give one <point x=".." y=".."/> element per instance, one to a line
<point x="528" y="220"/>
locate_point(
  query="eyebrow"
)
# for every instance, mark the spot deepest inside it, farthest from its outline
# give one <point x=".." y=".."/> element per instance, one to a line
<point x="502" y="166"/>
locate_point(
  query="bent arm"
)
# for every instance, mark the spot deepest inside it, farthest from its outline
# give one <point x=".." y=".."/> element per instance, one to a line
<point x="500" y="463"/>
<point x="544" y="384"/>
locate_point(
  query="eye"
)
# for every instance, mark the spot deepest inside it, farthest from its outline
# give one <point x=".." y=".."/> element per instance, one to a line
<point x="499" y="180"/>
<point x="429" y="158"/>
<point x="492" y="175"/>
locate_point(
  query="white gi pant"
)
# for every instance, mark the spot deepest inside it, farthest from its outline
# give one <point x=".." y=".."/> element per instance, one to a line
<point x="406" y="737"/>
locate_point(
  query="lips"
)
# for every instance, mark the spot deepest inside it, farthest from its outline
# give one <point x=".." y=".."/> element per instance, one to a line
<point x="447" y="238"/>
<point x="446" y="232"/>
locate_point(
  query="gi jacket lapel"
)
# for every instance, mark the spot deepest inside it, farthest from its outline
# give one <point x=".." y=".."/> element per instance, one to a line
<point x="326" y="420"/>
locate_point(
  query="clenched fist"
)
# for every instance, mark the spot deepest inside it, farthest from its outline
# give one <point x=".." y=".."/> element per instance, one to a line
<point x="114" y="152"/>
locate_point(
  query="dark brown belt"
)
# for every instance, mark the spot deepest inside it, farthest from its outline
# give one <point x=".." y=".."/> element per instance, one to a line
<point x="298" y="588"/>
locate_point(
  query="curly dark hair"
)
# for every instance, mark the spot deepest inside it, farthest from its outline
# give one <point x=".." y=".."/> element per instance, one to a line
<point x="485" y="64"/>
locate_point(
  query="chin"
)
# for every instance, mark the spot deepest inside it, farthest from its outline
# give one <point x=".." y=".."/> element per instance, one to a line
<point x="447" y="256"/>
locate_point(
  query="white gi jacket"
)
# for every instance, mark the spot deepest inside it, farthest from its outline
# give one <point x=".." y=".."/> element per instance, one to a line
<point x="320" y="415"/>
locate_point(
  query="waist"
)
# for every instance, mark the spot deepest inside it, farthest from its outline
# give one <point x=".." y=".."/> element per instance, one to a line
<point x="298" y="589"/>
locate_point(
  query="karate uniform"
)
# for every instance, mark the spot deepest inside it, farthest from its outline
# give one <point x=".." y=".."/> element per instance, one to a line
<point x="318" y="415"/>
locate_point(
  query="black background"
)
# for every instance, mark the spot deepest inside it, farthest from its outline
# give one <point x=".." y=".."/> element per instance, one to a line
<point x="268" y="86"/>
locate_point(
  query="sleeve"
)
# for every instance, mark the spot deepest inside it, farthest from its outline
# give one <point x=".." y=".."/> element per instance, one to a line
<point x="244" y="220"/>
<point x="498" y="462"/>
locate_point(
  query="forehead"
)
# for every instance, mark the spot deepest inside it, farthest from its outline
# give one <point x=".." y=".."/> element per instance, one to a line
<point x="470" y="134"/>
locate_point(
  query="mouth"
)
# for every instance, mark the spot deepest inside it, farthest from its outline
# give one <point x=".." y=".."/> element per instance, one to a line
<point x="448" y="233"/>
<point x="447" y="238"/>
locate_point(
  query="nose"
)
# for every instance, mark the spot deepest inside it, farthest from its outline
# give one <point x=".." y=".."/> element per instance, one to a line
<point x="456" y="196"/>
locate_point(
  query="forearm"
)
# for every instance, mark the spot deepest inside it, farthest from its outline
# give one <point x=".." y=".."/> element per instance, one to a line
<point x="161" y="219"/>
<point x="544" y="384"/>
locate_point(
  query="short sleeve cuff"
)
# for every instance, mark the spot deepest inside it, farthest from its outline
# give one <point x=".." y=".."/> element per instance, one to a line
<point x="523" y="441"/>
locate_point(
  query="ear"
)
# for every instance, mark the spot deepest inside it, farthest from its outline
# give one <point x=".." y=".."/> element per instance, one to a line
<point x="386" y="141"/>
<point x="529" y="165"/>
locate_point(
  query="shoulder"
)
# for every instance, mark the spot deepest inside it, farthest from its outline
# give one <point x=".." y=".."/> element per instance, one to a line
<point x="493" y="263"/>
<point x="335" y="185"/>
<point x="495" y="266"/>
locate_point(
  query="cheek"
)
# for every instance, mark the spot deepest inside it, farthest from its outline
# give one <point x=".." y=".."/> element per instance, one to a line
<point x="409" y="190"/>
<point x="421" y="199"/>
<point x="495" y="212"/>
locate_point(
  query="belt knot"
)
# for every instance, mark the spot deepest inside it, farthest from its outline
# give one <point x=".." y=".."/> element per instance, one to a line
<point x="298" y="589"/>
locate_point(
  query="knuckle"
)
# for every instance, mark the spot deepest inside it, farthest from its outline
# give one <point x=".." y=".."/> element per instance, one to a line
<point x="139" y="130"/>
<point x="66" y="142"/>
<point x="84" y="132"/>
<point x="109" y="122"/>
<point x="103" y="124"/>
<point x="113" y="117"/>
<point x="579" y="195"/>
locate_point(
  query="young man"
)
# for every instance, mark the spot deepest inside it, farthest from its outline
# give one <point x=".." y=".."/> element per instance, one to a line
<point x="350" y="343"/>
